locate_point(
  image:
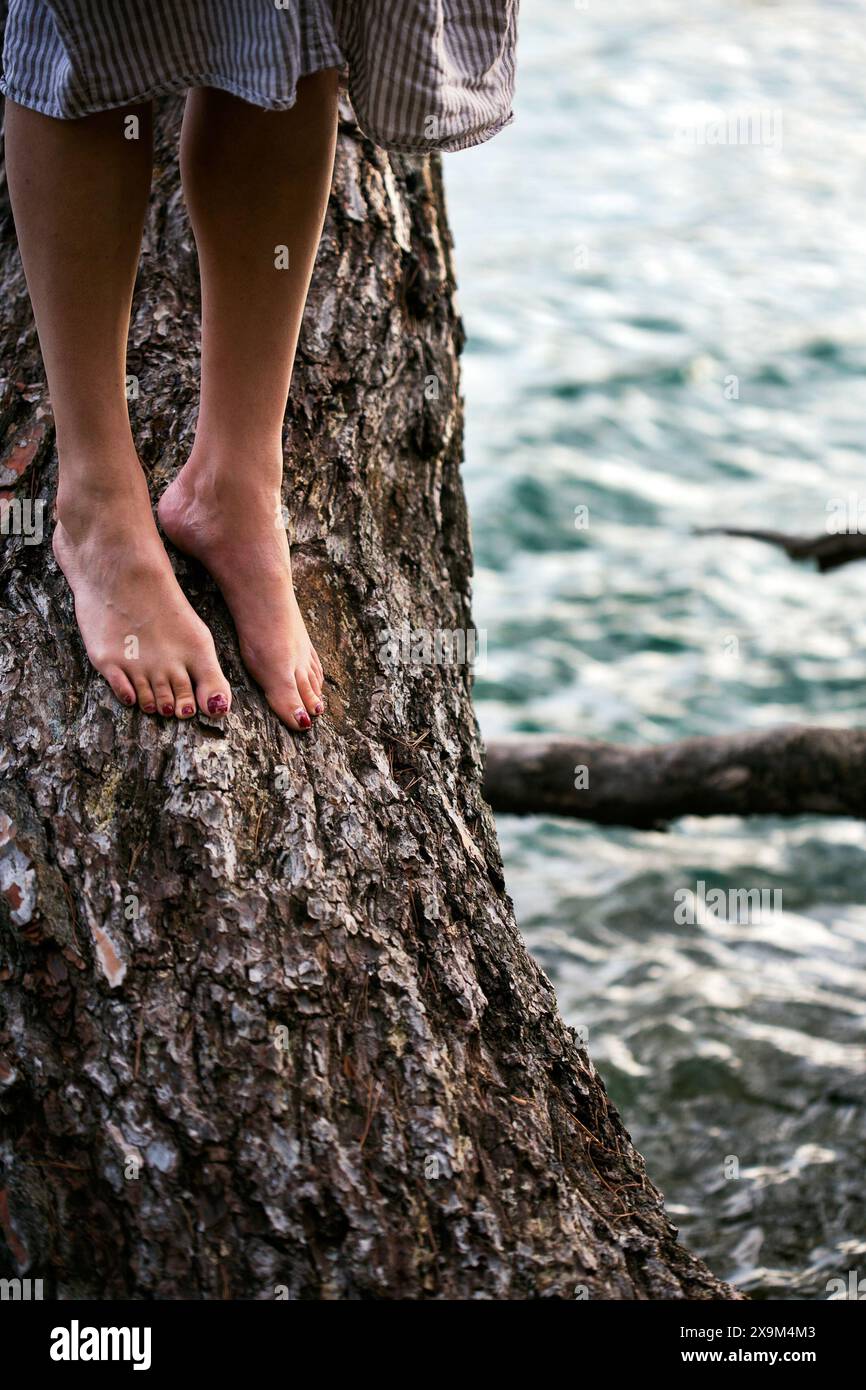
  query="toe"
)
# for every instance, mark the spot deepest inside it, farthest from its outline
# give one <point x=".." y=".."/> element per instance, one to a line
<point x="213" y="691"/>
<point x="287" y="704"/>
<point x="308" y="693"/>
<point x="144" y="694"/>
<point x="213" y="694"/>
<point x="184" y="700"/>
<point x="164" y="696"/>
<point x="120" y="684"/>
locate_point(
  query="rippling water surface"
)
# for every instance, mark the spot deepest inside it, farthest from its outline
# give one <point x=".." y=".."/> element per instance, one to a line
<point x="670" y="333"/>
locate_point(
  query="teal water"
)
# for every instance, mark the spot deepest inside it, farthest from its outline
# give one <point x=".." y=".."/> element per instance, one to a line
<point x="618" y="271"/>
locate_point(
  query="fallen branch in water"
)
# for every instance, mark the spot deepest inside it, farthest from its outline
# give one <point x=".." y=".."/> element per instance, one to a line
<point x="789" y="771"/>
<point x="828" y="550"/>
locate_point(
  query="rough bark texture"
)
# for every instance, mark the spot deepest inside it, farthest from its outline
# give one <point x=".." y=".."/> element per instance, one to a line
<point x="268" y="1025"/>
<point x="790" y="771"/>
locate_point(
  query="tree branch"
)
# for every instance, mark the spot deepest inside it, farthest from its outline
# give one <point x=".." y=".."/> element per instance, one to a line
<point x="789" y="771"/>
<point x="828" y="550"/>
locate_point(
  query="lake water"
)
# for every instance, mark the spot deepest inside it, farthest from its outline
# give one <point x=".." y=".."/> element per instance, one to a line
<point x="662" y="271"/>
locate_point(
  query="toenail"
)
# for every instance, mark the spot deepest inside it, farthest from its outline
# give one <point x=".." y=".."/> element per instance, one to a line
<point x="303" y="718"/>
<point x="217" y="704"/>
<point x="168" y="709"/>
<point x="128" y="699"/>
<point x="149" y="709"/>
<point x="320" y="708"/>
<point x="188" y="709"/>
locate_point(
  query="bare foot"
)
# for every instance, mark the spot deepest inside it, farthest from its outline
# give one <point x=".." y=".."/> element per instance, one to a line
<point x="230" y="524"/>
<point x="139" y="630"/>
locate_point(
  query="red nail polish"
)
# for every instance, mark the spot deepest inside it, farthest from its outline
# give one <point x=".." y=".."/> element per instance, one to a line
<point x="149" y="709"/>
<point x="128" y="699"/>
<point x="168" y="709"/>
<point x="188" y="709"/>
<point x="303" y="718"/>
<point x="320" y="708"/>
<point x="217" y="704"/>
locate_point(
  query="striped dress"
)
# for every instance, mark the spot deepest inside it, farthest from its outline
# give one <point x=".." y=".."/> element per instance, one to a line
<point x="422" y="74"/>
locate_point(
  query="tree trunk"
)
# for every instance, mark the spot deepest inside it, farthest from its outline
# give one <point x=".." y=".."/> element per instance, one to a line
<point x="269" y="1028"/>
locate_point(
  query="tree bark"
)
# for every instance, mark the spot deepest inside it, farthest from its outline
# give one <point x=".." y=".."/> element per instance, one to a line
<point x="269" y="1028"/>
<point x="790" y="771"/>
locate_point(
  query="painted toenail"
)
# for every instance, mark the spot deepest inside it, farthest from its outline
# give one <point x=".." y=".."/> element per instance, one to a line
<point x="128" y="699"/>
<point x="188" y="709"/>
<point x="320" y="708"/>
<point x="149" y="709"/>
<point x="303" y="718"/>
<point x="168" y="709"/>
<point x="217" y="704"/>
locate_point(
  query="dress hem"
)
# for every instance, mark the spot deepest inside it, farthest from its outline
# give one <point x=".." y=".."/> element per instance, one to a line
<point x="222" y="84"/>
<point x="460" y="142"/>
<point x="163" y="89"/>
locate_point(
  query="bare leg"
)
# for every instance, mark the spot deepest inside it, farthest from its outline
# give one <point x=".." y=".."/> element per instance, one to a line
<point x="79" y="192"/>
<point x="255" y="181"/>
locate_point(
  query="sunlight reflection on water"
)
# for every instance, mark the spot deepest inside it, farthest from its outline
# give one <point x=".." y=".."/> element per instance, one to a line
<point x="673" y="334"/>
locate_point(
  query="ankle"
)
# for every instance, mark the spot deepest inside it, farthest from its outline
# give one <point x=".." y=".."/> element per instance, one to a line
<point x="217" y="472"/>
<point x="95" y="498"/>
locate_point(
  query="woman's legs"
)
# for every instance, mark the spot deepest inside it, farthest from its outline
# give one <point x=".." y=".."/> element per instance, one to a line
<point x="79" y="192"/>
<point x="256" y="183"/>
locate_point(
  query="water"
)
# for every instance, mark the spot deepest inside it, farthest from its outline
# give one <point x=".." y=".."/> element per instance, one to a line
<point x="671" y="333"/>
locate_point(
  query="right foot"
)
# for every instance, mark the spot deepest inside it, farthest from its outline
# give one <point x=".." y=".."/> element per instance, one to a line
<point x="139" y="630"/>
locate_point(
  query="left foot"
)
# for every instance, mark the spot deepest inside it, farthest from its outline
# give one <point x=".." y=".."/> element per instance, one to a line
<point x="231" y="526"/>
